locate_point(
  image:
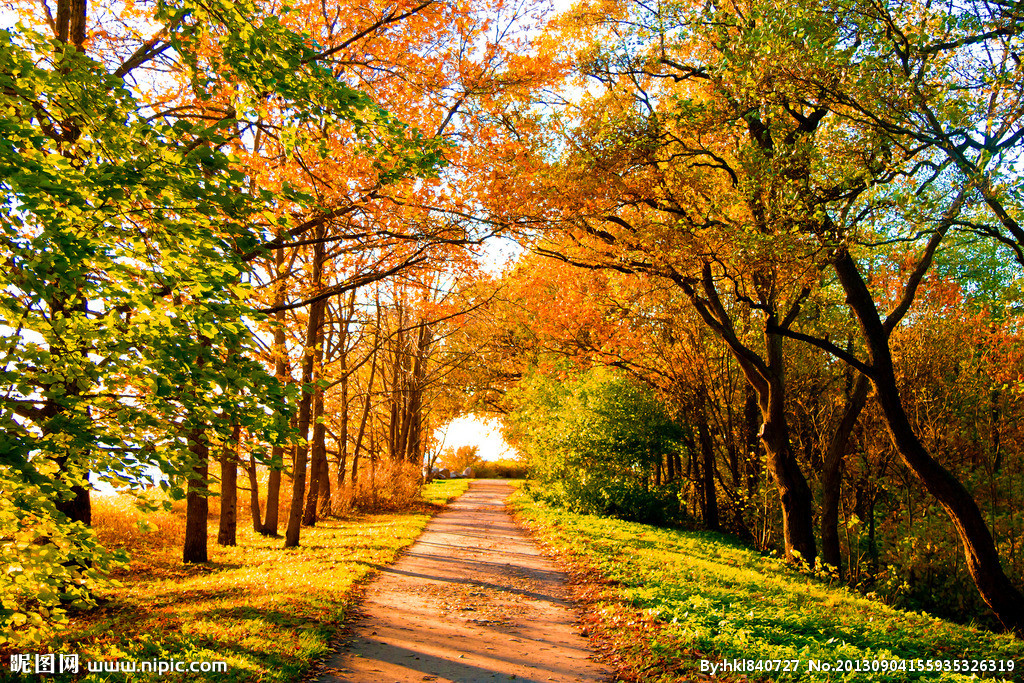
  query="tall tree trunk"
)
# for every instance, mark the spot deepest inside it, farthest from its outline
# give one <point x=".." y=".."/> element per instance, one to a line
<point x="270" y="523"/>
<point x="254" y="495"/>
<point x="767" y="377"/>
<point x="708" y="495"/>
<point x="229" y="490"/>
<point x="397" y="392"/>
<point x="414" y="441"/>
<point x="313" y="331"/>
<point x="368" y="403"/>
<point x="979" y="549"/>
<point x="794" y="493"/>
<point x="343" y="362"/>
<point x="318" y="457"/>
<point x="752" y="446"/>
<point x="197" y="504"/>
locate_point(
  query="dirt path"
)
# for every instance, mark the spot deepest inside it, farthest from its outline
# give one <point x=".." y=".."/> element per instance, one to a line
<point x="471" y="600"/>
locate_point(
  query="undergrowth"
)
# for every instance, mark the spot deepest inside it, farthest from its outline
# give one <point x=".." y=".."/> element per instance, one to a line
<point x="268" y="613"/>
<point x="660" y="601"/>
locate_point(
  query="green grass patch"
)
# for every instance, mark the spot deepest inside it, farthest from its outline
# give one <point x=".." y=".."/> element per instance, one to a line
<point x="441" y="491"/>
<point x="662" y="600"/>
<point x="267" y="612"/>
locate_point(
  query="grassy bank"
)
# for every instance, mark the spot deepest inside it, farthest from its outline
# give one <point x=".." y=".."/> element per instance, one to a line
<point x="662" y="601"/>
<point x="268" y="613"/>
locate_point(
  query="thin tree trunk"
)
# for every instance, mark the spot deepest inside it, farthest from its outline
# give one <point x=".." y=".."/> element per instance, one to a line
<point x="366" y="405"/>
<point x="708" y="495"/>
<point x="313" y="329"/>
<point x="751" y="426"/>
<point x="832" y="474"/>
<point x="270" y="523"/>
<point x="254" y="495"/>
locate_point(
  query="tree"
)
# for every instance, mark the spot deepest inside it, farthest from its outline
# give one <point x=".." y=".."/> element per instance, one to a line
<point x="722" y="156"/>
<point x="127" y="240"/>
<point x="459" y="459"/>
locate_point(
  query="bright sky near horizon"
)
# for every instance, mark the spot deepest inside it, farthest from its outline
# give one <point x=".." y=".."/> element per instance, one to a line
<point x="473" y="430"/>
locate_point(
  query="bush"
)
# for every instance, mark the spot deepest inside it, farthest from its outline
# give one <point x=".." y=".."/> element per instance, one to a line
<point x="505" y="468"/>
<point x="595" y="441"/>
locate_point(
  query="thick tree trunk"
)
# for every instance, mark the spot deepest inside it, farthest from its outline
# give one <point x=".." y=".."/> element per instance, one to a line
<point x="794" y="493"/>
<point x="197" y="505"/>
<point x="78" y="508"/>
<point x="979" y="549"/>
<point x="226" y="533"/>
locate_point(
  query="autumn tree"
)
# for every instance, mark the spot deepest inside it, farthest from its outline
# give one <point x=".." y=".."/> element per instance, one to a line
<point x="723" y="142"/>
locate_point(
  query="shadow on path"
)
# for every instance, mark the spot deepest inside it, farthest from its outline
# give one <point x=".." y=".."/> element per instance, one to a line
<point x="471" y="600"/>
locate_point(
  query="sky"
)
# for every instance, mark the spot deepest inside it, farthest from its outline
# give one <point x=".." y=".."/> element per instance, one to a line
<point x="474" y="430"/>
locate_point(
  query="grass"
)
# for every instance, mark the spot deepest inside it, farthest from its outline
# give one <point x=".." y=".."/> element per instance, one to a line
<point x="269" y="613"/>
<point x="660" y="601"/>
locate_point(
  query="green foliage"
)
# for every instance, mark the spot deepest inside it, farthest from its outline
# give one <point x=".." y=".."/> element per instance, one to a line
<point x="126" y="332"/>
<point x="594" y="440"/>
<point x="505" y="468"/>
<point x="702" y="596"/>
<point x="224" y="613"/>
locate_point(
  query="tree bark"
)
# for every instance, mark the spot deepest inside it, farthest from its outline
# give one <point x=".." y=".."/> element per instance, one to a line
<point x="226" y="533"/>
<point x="1004" y="599"/>
<point x="794" y="493"/>
<point x="78" y="508"/>
<point x="313" y="329"/>
<point x="254" y="496"/>
<point x="752" y="447"/>
<point x="270" y="522"/>
<point x="318" y="456"/>
<point x="766" y="376"/>
<point x="707" y="447"/>
<point x="366" y="405"/>
<point x="832" y="471"/>
<point x="197" y="505"/>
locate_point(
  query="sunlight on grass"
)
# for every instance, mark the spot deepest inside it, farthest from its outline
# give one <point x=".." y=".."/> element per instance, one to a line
<point x="269" y="613"/>
<point x="663" y="600"/>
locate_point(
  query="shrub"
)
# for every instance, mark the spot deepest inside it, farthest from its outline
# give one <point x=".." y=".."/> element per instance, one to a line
<point x="595" y="442"/>
<point x="505" y="468"/>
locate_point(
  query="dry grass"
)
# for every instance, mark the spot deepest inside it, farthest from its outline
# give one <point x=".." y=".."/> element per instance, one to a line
<point x="268" y="612"/>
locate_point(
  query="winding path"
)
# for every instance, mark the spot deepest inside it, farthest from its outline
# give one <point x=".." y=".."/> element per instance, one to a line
<point x="471" y="600"/>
